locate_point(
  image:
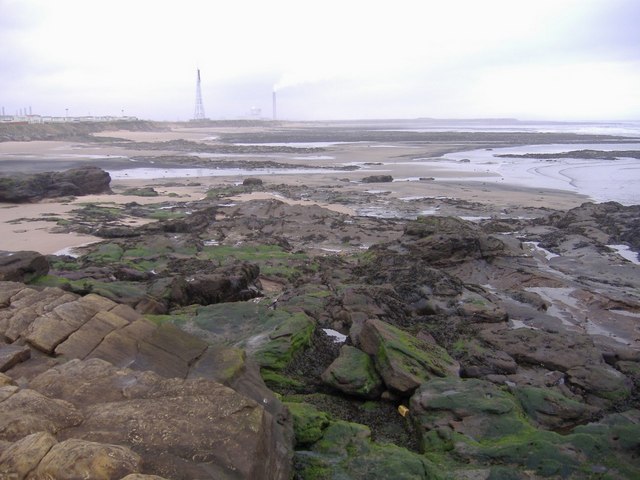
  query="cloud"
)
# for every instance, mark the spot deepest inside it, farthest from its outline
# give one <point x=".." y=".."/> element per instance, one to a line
<point x="329" y="59"/>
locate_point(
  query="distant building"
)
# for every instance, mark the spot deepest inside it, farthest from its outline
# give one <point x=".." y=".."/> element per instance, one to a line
<point x="34" y="119"/>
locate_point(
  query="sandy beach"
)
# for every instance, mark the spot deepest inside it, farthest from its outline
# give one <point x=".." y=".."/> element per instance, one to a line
<point x="419" y="171"/>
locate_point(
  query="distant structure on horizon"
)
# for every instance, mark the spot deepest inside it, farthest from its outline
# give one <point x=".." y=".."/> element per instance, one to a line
<point x="199" y="111"/>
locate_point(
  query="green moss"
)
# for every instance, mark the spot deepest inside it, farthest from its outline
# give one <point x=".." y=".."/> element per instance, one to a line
<point x="107" y="253"/>
<point x="347" y="452"/>
<point x="141" y="192"/>
<point x="178" y="320"/>
<point x="398" y="350"/>
<point x="272" y="259"/>
<point x="78" y="286"/>
<point x="276" y="381"/>
<point x="353" y="373"/>
<point x="287" y="339"/>
<point x="240" y="323"/>
<point x="308" y="422"/>
<point x="118" y="291"/>
<point x="541" y="401"/>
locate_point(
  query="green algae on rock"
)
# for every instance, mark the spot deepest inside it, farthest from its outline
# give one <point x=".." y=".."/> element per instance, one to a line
<point x="309" y="423"/>
<point x="404" y="361"/>
<point x="288" y="338"/>
<point x="353" y="373"/>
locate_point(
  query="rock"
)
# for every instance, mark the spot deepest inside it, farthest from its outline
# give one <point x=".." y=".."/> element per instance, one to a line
<point x="5" y="380"/>
<point x="224" y="287"/>
<point x="353" y="373"/>
<point x="22" y="457"/>
<point x="403" y="361"/>
<point x="552" y="410"/>
<point x="285" y="341"/>
<point x="28" y="305"/>
<point x="129" y="346"/>
<point x="77" y="181"/>
<point x="10" y="355"/>
<point x="477" y="308"/>
<point x="346" y="451"/>
<point x="446" y="410"/>
<point x="605" y="223"/>
<point x="252" y="182"/>
<point x="25" y="411"/>
<point x="377" y="179"/>
<point x="85" y="339"/>
<point x="309" y="423"/>
<point x="553" y="351"/>
<point x="182" y="429"/>
<point x="74" y="458"/>
<point x="22" y="266"/>
<point x="141" y="192"/>
<point x="139" y="476"/>
<point x="477" y="360"/>
<point x="446" y="241"/>
<point x="8" y="290"/>
<point x="600" y="381"/>
<point x="220" y="363"/>
<point x="48" y="331"/>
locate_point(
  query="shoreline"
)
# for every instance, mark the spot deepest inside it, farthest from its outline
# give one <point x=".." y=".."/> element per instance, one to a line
<point x="406" y="162"/>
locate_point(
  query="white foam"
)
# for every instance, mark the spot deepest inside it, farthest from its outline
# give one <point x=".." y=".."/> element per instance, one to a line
<point x="536" y="246"/>
<point x="625" y="252"/>
<point x="337" y="336"/>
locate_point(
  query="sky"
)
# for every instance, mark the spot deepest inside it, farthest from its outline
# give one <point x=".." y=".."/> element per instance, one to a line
<point x="331" y="59"/>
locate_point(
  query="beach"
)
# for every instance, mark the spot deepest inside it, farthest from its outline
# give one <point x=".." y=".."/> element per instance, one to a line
<point x="425" y="173"/>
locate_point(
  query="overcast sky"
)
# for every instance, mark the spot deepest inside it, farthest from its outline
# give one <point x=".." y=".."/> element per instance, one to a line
<point x="528" y="59"/>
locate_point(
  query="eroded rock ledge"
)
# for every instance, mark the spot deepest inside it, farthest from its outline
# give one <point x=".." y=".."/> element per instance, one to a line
<point x="92" y="382"/>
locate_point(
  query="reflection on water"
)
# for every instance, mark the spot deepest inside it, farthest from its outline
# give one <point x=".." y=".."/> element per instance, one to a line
<point x="151" y="173"/>
<point x="602" y="180"/>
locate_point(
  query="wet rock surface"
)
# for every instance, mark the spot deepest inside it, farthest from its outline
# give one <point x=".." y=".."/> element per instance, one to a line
<point x="452" y="338"/>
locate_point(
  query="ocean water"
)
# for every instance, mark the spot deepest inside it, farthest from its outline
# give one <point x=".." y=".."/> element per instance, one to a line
<point x="152" y="173"/>
<point x="621" y="128"/>
<point x="602" y="180"/>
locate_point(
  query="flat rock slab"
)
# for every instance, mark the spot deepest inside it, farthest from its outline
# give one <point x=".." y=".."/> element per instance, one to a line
<point x="11" y="355"/>
<point x="182" y="429"/>
<point x="81" y="459"/>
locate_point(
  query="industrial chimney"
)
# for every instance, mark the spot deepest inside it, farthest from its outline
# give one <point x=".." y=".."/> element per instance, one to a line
<point x="274" y="105"/>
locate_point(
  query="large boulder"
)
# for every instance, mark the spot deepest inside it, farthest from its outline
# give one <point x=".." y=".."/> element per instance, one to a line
<point x="76" y="181"/>
<point x="403" y="361"/>
<point x="353" y="373"/>
<point x="22" y="266"/>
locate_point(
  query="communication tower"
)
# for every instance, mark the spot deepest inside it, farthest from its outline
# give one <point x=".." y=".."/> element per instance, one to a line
<point x="199" y="111"/>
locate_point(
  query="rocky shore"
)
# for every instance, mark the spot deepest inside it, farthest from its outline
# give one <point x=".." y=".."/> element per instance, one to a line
<point x="238" y="335"/>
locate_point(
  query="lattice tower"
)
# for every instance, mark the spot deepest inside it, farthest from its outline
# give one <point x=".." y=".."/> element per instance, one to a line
<point x="199" y="111"/>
